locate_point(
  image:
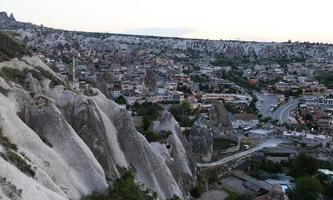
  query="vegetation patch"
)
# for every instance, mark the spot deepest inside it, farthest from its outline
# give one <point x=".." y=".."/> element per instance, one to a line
<point x="19" y="162"/>
<point x="149" y="112"/>
<point x="221" y="144"/>
<point x="11" y="156"/>
<point x="298" y="169"/>
<point x="6" y="143"/>
<point x="182" y="113"/>
<point x="263" y="169"/>
<point x="326" y="78"/>
<point x="306" y="188"/>
<point x="121" y="100"/>
<point x="124" y="188"/>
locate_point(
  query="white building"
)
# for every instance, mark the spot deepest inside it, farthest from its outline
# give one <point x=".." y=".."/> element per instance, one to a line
<point x="242" y="120"/>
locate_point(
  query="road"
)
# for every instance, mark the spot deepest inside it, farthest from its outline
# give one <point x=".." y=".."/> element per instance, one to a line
<point x="282" y="114"/>
<point x="269" y="143"/>
<point x="268" y="100"/>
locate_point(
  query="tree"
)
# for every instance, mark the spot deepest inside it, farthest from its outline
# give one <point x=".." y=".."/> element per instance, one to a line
<point x="306" y="188"/>
<point x="121" y="100"/>
<point x="304" y="165"/>
<point x="182" y="113"/>
<point x="196" y="192"/>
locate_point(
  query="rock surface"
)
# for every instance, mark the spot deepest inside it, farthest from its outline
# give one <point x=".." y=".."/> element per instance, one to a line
<point x="201" y="140"/>
<point x="72" y="143"/>
<point x="176" y="152"/>
<point x="219" y="119"/>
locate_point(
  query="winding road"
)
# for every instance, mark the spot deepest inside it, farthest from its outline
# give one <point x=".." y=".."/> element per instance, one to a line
<point x="282" y="114"/>
<point x="269" y="143"/>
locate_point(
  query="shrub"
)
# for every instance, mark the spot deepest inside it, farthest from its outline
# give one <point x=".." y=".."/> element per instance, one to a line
<point x="20" y="163"/>
<point x="304" y="165"/>
<point x="4" y="141"/>
<point x="121" y="100"/>
<point x="196" y="192"/>
<point x="124" y="188"/>
<point x="306" y="188"/>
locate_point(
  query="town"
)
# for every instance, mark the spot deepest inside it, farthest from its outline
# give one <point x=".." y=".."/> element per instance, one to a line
<point x="258" y="117"/>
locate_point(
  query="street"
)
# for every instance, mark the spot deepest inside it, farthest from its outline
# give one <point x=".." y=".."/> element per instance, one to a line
<point x="269" y="143"/>
<point x="282" y="114"/>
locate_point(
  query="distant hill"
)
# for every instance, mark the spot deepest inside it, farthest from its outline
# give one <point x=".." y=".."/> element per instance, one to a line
<point x="10" y="48"/>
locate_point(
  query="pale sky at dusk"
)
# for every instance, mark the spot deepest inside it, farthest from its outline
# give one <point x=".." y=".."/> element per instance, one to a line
<point x="261" y="20"/>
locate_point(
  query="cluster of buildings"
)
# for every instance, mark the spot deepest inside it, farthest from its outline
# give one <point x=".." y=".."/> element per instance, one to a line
<point x="318" y="112"/>
<point x="154" y="79"/>
<point x="308" y="139"/>
<point x="293" y="77"/>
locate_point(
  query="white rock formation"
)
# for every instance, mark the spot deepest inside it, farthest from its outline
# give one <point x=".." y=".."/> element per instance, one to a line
<point x="72" y="142"/>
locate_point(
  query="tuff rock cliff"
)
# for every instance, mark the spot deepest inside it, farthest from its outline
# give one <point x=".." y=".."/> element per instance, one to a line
<point x="201" y="140"/>
<point x="57" y="143"/>
<point x="216" y="125"/>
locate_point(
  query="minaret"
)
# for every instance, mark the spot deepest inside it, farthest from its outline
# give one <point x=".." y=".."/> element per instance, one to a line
<point x="74" y="66"/>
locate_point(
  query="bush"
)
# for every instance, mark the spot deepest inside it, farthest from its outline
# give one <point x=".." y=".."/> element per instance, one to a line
<point x="304" y="165"/>
<point x="151" y="136"/>
<point x="306" y="188"/>
<point x="326" y="78"/>
<point x="150" y="112"/>
<point x="121" y="100"/>
<point x="5" y="142"/>
<point x="124" y="188"/>
<point x="262" y="169"/>
<point x="221" y="144"/>
<point x="196" y="192"/>
<point x="20" y="163"/>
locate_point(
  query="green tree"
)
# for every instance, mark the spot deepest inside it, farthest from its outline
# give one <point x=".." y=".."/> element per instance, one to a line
<point x="182" y="113"/>
<point x="121" y="100"/>
<point x="306" y="188"/>
<point x="196" y="192"/>
<point x="304" y="165"/>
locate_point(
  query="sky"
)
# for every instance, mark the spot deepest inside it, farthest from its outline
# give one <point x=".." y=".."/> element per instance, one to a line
<point x="251" y="20"/>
